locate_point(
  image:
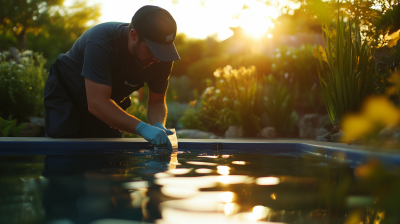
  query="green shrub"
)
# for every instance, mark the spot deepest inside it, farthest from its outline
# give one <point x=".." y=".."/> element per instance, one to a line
<point x="295" y="66"/>
<point x="9" y="128"/>
<point x="236" y="99"/>
<point x="387" y="62"/>
<point x="175" y="112"/>
<point x="241" y="97"/>
<point x="179" y="89"/>
<point x="137" y="109"/>
<point x="191" y="117"/>
<point x="260" y="61"/>
<point x="204" y="69"/>
<point x="278" y="107"/>
<point x="22" y="85"/>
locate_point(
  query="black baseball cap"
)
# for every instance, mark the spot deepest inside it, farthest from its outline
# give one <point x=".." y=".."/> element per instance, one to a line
<point x="158" y="28"/>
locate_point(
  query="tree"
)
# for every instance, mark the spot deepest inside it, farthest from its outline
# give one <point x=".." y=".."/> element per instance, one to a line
<point x="24" y="16"/>
<point x="54" y="30"/>
<point x="63" y="27"/>
<point x="45" y="18"/>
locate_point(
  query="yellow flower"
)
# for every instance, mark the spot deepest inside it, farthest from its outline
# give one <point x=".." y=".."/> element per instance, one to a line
<point x="217" y="73"/>
<point x="193" y="103"/>
<point x="355" y="126"/>
<point x="394" y="79"/>
<point x="381" y="110"/>
<point x="354" y="217"/>
<point x="227" y="69"/>
<point x="321" y="52"/>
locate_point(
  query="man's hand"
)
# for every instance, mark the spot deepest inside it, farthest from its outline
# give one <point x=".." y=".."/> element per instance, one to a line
<point x="161" y="126"/>
<point x="156" y="136"/>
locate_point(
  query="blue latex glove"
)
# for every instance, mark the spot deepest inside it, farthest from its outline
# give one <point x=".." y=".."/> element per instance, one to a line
<point x="160" y="125"/>
<point x="156" y="136"/>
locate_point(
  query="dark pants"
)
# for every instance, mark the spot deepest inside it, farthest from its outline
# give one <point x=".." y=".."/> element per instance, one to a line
<point x="66" y="109"/>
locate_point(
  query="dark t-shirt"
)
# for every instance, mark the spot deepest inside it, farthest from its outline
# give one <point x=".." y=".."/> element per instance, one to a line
<point x="101" y="54"/>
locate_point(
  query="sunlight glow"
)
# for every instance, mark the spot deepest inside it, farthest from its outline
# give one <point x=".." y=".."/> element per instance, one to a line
<point x="178" y="171"/>
<point x="273" y="196"/>
<point x="199" y="163"/>
<point x="200" y="19"/>
<point x="267" y="181"/>
<point x="230" y="208"/>
<point x="203" y="170"/>
<point x="256" y="19"/>
<point x="223" y="170"/>
<point x="227" y="196"/>
<point x="136" y="185"/>
<point x="235" y="179"/>
<point x="260" y="212"/>
<point x="212" y="157"/>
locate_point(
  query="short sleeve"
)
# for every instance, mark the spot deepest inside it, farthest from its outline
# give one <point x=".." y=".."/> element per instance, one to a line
<point x="97" y="63"/>
<point x="160" y="79"/>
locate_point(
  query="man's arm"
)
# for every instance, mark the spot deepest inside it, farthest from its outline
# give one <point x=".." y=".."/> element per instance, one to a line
<point x="156" y="108"/>
<point x="103" y="107"/>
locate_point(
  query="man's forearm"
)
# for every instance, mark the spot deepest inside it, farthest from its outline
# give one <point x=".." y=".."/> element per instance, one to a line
<point x="110" y="113"/>
<point x="157" y="112"/>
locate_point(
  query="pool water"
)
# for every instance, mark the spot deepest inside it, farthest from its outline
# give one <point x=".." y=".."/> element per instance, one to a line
<point x="193" y="186"/>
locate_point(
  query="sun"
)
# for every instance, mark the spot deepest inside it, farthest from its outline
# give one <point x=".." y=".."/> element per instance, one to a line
<point x="256" y="19"/>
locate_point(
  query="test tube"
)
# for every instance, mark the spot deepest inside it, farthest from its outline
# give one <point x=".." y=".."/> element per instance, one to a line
<point x="173" y="139"/>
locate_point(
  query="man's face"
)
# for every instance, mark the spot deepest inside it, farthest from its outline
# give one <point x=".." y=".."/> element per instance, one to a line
<point x="143" y="56"/>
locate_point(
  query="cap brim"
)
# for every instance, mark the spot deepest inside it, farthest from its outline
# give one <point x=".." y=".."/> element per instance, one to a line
<point x="163" y="52"/>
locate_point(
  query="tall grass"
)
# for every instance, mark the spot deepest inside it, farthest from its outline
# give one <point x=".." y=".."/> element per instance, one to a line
<point x="350" y="74"/>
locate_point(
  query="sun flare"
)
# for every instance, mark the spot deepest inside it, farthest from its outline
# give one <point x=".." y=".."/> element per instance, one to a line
<point x="256" y="19"/>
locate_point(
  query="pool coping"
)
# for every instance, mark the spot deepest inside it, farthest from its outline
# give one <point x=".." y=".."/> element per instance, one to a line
<point x="351" y="153"/>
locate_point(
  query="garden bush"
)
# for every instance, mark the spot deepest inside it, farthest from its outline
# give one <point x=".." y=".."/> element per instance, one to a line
<point x="175" y="112"/>
<point x="137" y="109"/>
<point x="296" y="67"/>
<point x="242" y="98"/>
<point x="191" y="117"/>
<point x="279" y="102"/>
<point x="387" y="62"/>
<point x="234" y="99"/>
<point x="180" y="90"/>
<point x="9" y="128"/>
<point x="204" y="68"/>
<point x="22" y="85"/>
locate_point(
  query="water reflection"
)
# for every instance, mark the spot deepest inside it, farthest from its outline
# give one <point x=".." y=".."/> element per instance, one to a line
<point x="21" y="187"/>
<point x="190" y="187"/>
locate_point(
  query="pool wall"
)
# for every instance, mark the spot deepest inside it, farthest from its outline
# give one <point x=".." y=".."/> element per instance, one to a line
<point x="48" y="146"/>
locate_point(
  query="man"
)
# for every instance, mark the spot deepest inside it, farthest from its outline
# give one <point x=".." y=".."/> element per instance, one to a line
<point x="88" y="88"/>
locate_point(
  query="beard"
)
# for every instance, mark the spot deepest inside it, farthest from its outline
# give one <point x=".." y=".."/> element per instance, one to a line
<point x="141" y="63"/>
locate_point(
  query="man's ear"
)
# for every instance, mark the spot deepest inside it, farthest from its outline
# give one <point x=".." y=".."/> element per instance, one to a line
<point x="134" y="35"/>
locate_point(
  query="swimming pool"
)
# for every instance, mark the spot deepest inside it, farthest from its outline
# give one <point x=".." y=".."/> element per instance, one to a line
<point x="228" y="181"/>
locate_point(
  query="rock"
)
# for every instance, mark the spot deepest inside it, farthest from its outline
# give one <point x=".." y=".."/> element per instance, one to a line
<point x="311" y="125"/>
<point x="335" y="130"/>
<point x="37" y="120"/>
<point x="337" y="136"/>
<point x="330" y="136"/>
<point x="267" y="132"/>
<point x="336" y="122"/>
<point x="396" y="134"/>
<point x="321" y="139"/>
<point x="197" y="134"/>
<point x="321" y="131"/>
<point x="234" y="132"/>
<point x="32" y="130"/>
<point x="390" y="133"/>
